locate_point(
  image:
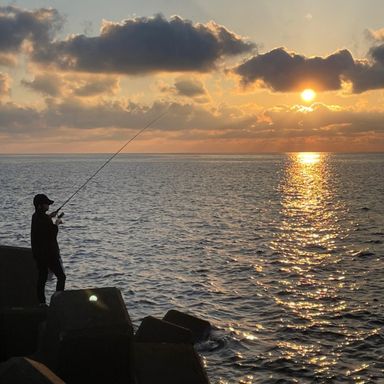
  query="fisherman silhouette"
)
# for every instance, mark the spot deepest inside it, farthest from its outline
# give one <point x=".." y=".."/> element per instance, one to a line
<point x="45" y="248"/>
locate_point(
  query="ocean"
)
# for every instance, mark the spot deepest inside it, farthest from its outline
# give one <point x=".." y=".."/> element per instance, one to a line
<point x="282" y="253"/>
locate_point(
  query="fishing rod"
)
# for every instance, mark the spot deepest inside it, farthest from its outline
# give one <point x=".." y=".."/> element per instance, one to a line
<point x="108" y="161"/>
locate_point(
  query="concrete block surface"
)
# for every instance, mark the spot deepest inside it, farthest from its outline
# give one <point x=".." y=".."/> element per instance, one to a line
<point x="20" y="370"/>
<point x="18" y="276"/>
<point x="164" y="363"/>
<point x="153" y="330"/>
<point x="200" y="328"/>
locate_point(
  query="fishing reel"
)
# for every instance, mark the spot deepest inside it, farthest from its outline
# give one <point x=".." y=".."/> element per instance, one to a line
<point x="58" y="220"/>
<point x="58" y="217"/>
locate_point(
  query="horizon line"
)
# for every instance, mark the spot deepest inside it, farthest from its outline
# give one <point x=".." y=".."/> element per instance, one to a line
<point x="184" y="153"/>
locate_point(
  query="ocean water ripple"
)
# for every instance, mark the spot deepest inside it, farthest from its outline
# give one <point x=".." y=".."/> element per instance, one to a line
<point x="282" y="253"/>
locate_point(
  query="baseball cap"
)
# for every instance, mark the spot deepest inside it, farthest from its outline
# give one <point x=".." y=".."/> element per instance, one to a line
<point x="41" y="199"/>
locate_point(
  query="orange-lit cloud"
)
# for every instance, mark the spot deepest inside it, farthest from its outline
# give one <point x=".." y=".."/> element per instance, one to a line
<point x="4" y="84"/>
<point x="8" y="60"/>
<point x="186" y="122"/>
<point x="375" y="35"/>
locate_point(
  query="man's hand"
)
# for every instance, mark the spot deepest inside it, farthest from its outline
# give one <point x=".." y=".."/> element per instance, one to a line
<point x="58" y="220"/>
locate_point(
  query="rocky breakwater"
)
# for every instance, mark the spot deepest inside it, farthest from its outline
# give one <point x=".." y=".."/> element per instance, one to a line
<point x="86" y="335"/>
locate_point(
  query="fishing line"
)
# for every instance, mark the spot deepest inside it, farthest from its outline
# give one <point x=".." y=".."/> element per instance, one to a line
<point x="110" y="159"/>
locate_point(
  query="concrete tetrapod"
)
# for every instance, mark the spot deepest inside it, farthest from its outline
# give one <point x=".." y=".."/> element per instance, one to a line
<point x="88" y="336"/>
<point x="20" y="370"/>
<point x="165" y="363"/>
<point x="153" y="330"/>
<point x="200" y="329"/>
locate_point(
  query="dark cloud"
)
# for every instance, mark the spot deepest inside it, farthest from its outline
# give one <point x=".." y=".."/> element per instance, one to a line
<point x="47" y="84"/>
<point x="18" y="26"/>
<point x="282" y="71"/>
<point x="377" y="54"/>
<point x="144" y="45"/>
<point x="285" y="72"/>
<point x="368" y="74"/>
<point x="189" y="87"/>
<point x="98" y="86"/>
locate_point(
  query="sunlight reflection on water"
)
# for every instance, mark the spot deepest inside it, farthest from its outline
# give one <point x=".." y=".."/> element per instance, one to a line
<point x="309" y="210"/>
<point x="309" y="255"/>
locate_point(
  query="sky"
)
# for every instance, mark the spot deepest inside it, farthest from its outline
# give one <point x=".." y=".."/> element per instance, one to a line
<point x="86" y="76"/>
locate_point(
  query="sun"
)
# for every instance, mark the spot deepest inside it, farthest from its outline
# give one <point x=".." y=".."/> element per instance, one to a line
<point x="308" y="95"/>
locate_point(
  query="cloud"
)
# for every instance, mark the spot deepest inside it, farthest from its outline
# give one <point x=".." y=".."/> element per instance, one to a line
<point x="377" y="35"/>
<point x="80" y="114"/>
<point x="83" y="115"/>
<point x="18" y="26"/>
<point x="186" y="121"/>
<point x="4" y="84"/>
<point x="155" y="44"/>
<point x="15" y="119"/>
<point x="377" y="54"/>
<point x="189" y="87"/>
<point x="48" y="84"/>
<point x="61" y="84"/>
<point x="96" y="86"/>
<point x="284" y="71"/>
<point x="321" y="121"/>
<point x="366" y="76"/>
<point x="145" y="45"/>
<point x="8" y="60"/>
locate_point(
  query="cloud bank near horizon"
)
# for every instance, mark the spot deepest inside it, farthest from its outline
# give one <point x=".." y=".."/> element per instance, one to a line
<point x="187" y="122"/>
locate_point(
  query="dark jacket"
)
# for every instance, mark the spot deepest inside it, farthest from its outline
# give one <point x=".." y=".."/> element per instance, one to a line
<point x="44" y="237"/>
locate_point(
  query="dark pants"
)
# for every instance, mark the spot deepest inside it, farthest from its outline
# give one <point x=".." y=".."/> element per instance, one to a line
<point x="42" y="267"/>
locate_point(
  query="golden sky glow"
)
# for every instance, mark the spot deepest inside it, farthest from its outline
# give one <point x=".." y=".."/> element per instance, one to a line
<point x="80" y="79"/>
